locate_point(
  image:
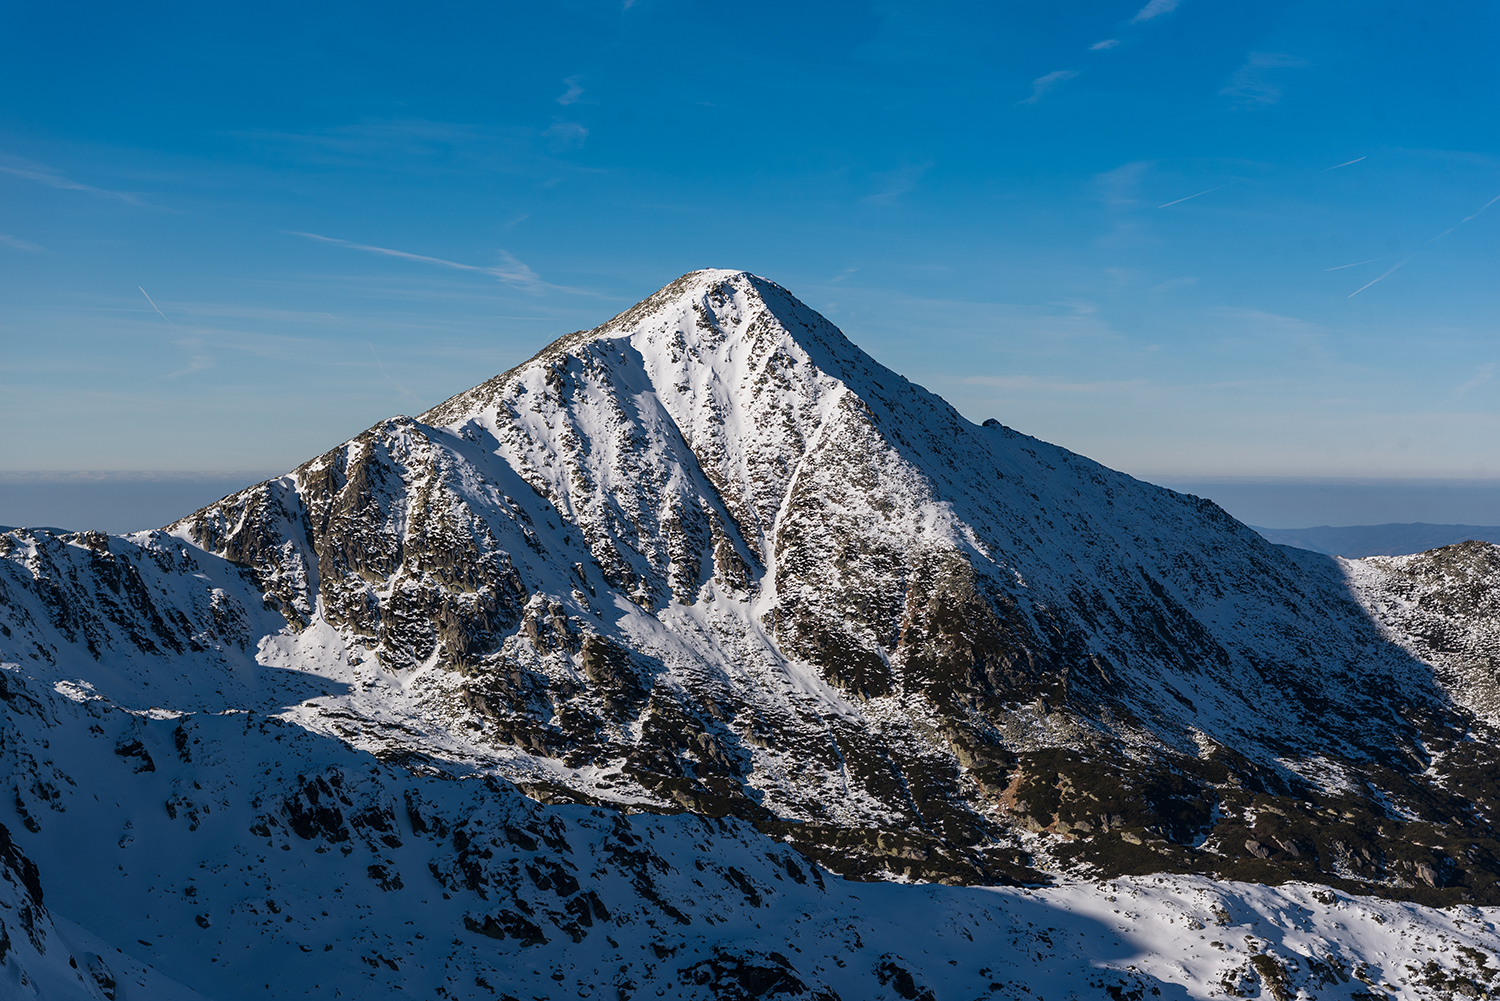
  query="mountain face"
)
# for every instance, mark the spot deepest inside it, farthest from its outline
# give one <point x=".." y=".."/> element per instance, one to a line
<point x="712" y="563"/>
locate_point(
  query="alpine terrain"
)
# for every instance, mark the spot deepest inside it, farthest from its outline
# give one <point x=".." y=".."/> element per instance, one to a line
<point x="702" y="656"/>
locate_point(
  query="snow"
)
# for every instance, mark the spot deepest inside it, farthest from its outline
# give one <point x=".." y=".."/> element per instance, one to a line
<point x="681" y="481"/>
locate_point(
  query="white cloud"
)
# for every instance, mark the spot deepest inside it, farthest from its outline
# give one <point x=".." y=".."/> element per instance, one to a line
<point x="1252" y="84"/>
<point x="1172" y="285"/>
<point x="18" y="244"/>
<point x="197" y="361"/>
<point x="1032" y="384"/>
<point x="896" y="183"/>
<point x="1046" y="82"/>
<point x="416" y="146"/>
<point x="1485" y="374"/>
<point x="572" y="94"/>
<point x="1108" y="43"/>
<point x="1119" y="188"/>
<point x="1156" y="8"/>
<point x="42" y="174"/>
<point x="566" y="135"/>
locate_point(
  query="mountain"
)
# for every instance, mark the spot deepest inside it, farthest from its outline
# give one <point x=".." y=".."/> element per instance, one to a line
<point x="1379" y="540"/>
<point x="707" y="589"/>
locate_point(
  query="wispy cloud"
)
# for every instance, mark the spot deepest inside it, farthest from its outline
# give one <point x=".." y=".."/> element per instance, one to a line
<point x="16" y="243"/>
<point x="425" y="148"/>
<point x="1172" y="285"/>
<point x="1179" y="201"/>
<point x="573" y="93"/>
<point x="415" y="141"/>
<point x="1485" y="373"/>
<point x="1119" y="187"/>
<point x="893" y="184"/>
<point x="1156" y="8"/>
<point x="1366" y="285"/>
<point x="510" y="271"/>
<point x="1046" y="82"/>
<point x="42" y="174"/>
<point x="197" y="360"/>
<point x="1108" y="43"/>
<point x="1027" y="383"/>
<point x="566" y="135"/>
<point x="1251" y="83"/>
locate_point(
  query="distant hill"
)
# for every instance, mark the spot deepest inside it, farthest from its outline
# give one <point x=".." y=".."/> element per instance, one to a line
<point x="1378" y="540"/>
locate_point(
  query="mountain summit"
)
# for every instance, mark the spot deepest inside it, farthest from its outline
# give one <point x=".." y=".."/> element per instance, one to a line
<point x="710" y="557"/>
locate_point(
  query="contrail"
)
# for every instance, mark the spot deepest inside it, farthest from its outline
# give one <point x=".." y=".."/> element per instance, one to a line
<point x="1338" y="165"/>
<point x="1181" y="200"/>
<point x="1465" y="219"/>
<point x="1357" y="291"/>
<point x="164" y="315"/>
<point x="1354" y="265"/>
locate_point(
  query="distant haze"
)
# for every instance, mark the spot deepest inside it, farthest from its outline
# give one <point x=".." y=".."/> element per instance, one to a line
<point x="112" y="502"/>
<point x="1301" y="503"/>
<point x="122" y="502"/>
<point x="1379" y="540"/>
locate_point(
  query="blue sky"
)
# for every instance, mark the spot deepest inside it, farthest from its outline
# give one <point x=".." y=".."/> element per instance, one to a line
<point x="1188" y="239"/>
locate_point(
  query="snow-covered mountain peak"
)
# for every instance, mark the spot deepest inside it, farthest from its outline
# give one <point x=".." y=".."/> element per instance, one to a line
<point x="710" y="556"/>
<point x="727" y="322"/>
<point x="731" y="365"/>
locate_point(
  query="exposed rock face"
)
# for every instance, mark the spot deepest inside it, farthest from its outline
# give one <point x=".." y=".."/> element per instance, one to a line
<point x="712" y="557"/>
<point x="1443" y="607"/>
